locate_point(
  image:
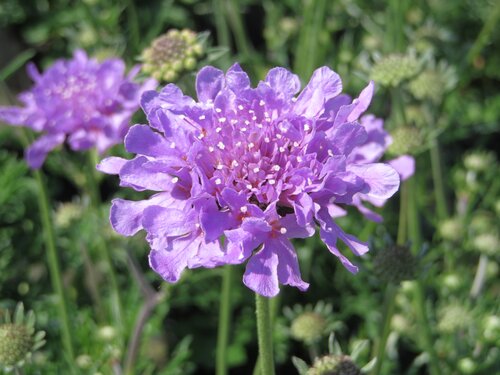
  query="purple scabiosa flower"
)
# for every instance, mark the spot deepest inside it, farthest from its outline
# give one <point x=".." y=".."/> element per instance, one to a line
<point x="371" y="151"/>
<point x="259" y="166"/>
<point x="88" y="102"/>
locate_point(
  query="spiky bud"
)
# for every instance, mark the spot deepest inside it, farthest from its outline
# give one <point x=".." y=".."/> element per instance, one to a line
<point x="171" y="54"/>
<point x="395" y="264"/>
<point x="393" y="69"/>
<point x="18" y="339"/>
<point x="334" y="365"/>
<point x="405" y="140"/>
<point x="66" y="213"/>
<point x="308" y="327"/>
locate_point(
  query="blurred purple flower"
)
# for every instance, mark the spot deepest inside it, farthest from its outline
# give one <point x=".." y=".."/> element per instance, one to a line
<point x="371" y="151"/>
<point x="259" y="166"/>
<point x="88" y="102"/>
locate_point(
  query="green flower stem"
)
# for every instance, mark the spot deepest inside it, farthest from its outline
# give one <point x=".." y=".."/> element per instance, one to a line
<point x="53" y="261"/>
<point x="221" y="27"/>
<point x="391" y="290"/>
<point x="264" y="333"/>
<point x="424" y="328"/>
<point x="133" y="23"/>
<point x="485" y="34"/>
<point x="437" y="176"/>
<point x="224" y="322"/>
<point x="95" y="198"/>
<point x="389" y="303"/>
<point x="424" y="331"/>
<point x="306" y="55"/>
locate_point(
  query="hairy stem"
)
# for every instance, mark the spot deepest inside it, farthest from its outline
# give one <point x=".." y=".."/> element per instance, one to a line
<point x="53" y="261"/>
<point x="264" y="333"/>
<point x="224" y="322"/>
<point x="95" y="198"/>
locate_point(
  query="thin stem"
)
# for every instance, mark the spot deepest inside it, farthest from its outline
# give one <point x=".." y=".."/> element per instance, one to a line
<point x="224" y="322"/>
<point x="485" y="34"/>
<point x="221" y="27"/>
<point x="424" y="328"/>
<point x="437" y="176"/>
<point x="389" y="303"/>
<point x="403" y="217"/>
<point x="93" y="189"/>
<point x="264" y="333"/>
<point x="424" y="332"/>
<point x="53" y="261"/>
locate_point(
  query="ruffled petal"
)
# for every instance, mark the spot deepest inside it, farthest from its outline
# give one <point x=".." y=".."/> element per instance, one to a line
<point x="404" y="165"/>
<point x="111" y="165"/>
<point x="288" y="266"/>
<point x="283" y="82"/>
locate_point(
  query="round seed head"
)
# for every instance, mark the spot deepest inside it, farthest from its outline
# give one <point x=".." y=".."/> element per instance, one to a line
<point x="393" y="69"/>
<point x="395" y="264"/>
<point x="308" y="327"/>
<point x="406" y="140"/>
<point x="334" y="365"/>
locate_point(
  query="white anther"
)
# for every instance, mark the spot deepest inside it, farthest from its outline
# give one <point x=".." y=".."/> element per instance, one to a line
<point x="251" y="145"/>
<point x="222" y="119"/>
<point x="282" y="149"/>
<point x="218" y="129"/>
<point x="266" y="114"/>
<point x="240" y="107"/>
<point x="234" y="163"/>
<point x="210" y="149"/>
<point x="233" y="121"/>
<point x="299" y="159"/>
<point x="247" y="122"/>
<point x="218" y="110"/>
<point x="279" y="136"/>
<point x="256" y="169"/>
<point x="307" y="127"/>
<point x="244" y="209"/>
<point x="172" y="145"/>
<point x="175" y="179"/>
<point x="262" y="103"/>
<point x="267" y="140"/>
<point x="272" y="182"/>
<point x="254" y="118"/>
<point x="219" y="166"/>
<point x="243" y="129"/>
<point x="218" y="181"/>
<point x="330" y="152"/>
<point x="202" y="117"/>
<point x="249" y="186"/>
<point x="221" y="145"/>
<point x="276" y="168"/>
<point x="283" y="230"/>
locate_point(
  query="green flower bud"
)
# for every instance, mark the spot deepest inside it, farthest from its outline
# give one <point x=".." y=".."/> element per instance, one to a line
<point x="308" y="327"/>
<point x="487" y="243"/>
<point x="453" y="317"/>
<point x="171" y="54"/>
<point x="67" y="213"/>
<point x="451" y="229"/>
<point x="479" y="161"/>
<point x="405" y="140"/>
<point x="18" y="338"/>
<point x="84" y="361"/>
<point x="491" y="329"/>
<point x="428" y="85"/>
<point x="334" y="365"/>
<point x="467" y="366"/>
<point x="395" y="264"/>
<point x="393" y="69"/>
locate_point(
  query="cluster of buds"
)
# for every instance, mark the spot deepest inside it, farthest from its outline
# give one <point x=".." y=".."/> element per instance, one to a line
<point x="334" y="364"/>
<point x="171" y="54"/>
<point x="406" y="140"/>
<point x="393" y="69"/>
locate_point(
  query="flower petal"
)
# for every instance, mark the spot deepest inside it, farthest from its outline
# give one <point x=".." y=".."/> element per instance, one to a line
<point x="37" y="152"/>
<point x="382" y="180"/>
<point x="261" y="274"/>
<point x="404" y="165"/>
<point x="209" y="82"/>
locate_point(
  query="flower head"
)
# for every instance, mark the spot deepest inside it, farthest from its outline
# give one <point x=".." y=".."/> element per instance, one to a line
<point x="259" y="166"/>
<point x="171" y="54"/>
<point x="88" y="102"/>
